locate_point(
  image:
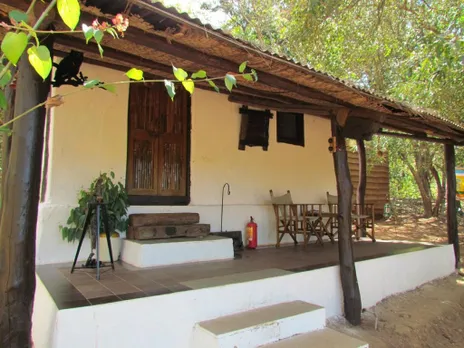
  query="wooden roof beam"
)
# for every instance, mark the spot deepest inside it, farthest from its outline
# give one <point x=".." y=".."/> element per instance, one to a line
<point x="273" y="105"/>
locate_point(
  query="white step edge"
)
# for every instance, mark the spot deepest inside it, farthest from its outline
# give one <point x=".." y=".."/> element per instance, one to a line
<point x="259" y="326"/>
<point x="326" y="338"/>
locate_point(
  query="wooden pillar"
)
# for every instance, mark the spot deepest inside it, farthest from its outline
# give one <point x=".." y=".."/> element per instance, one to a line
<point x="19" y="214"/>
<point x="451" y="213"/>
<point x="6" y="139"/>
<point x="361" y="192"/>
<point x="351" y="294"/>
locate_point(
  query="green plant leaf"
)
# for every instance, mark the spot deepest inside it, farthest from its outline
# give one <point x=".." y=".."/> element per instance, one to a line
<point x="18" y="16"/>
<point x="110" y="88"/>
<point x="230" y="82"/>
<point x="70" y="12"/>
<point x="91" y="83"/>
<point x="212" y="84"/>
<point x="242" y="67"/>
<point x="13" y="46"/>
<point x="98" y="35"/>
<point x="200" y="74"/>
<point x="40" y="59"/>
<point x="100" y="49"/>
<point x="88" y="32"/>
<point x="248" y="77"/>
<point x="6" y="130"/>
<point x="255" y="75"/>
<point x="3" y="102"/>
<point x="179" y="73"/>
<point x="6" y="78"/>
<point x="170" y="88"/>
<point x="135" y="74"/>
<point x="189" y="85"/>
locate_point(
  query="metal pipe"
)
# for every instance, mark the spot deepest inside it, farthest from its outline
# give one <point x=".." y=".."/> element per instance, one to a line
<point x="222" y="202"/>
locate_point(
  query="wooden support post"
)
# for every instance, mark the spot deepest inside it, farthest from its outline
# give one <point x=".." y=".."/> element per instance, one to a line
<point x="451" y="213"/>
<point x="19" y="213"/>
<point x="361" y="192"/>
<point x="6" y="139"/>
<point x="351" y="294"/>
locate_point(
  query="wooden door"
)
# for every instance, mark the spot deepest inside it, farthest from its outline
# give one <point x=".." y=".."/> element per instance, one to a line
<point x="157" y="161"/>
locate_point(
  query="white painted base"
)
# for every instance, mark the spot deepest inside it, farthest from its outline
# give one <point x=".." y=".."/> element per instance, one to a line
<point x="260" y="326"/>
<point x="326" y="338"/>
<point x="176" y="251"/>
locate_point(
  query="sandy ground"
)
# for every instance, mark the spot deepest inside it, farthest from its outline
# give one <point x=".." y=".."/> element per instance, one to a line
<point x="430" y="316"/>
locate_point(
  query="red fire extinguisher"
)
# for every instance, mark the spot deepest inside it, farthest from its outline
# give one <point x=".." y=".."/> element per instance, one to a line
<point x="252" y="234"/>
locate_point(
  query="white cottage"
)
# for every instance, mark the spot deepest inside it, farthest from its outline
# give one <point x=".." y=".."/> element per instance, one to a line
<point x="176" y="157"/>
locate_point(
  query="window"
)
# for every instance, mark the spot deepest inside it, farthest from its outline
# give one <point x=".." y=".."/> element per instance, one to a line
<point x="254" y="128"/>
<point x="158" y="146"/>
<point x="290" y="128"/>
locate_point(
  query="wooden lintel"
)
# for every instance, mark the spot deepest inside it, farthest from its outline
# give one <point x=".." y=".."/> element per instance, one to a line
<point x="342" y="116"/>
<point x="273" y="105"/>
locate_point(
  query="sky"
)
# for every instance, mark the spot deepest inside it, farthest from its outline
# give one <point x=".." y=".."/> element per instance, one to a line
<point x="193" y="7"/>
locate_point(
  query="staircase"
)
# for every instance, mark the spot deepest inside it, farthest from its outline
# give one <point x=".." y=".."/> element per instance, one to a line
<point x="290" y="324"/>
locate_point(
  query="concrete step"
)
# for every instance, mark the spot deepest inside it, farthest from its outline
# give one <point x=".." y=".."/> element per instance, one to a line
<point x="326" y="338"/>
<point x="259" y="326"/>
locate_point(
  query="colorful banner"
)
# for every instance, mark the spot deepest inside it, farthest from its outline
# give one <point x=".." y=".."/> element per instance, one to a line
<point x="460" y="183"/>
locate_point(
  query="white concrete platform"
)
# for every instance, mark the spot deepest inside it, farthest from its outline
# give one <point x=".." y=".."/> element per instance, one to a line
<point x="259" y="326"/>
<point x="162" y="252"/>
<point x="326" y="338"/>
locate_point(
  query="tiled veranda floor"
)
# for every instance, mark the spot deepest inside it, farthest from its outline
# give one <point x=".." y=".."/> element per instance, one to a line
<point x="127" y="282"/>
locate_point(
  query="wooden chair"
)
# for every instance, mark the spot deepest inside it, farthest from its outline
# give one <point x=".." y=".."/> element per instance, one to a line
<point x="294" y="219"/>
<point x="362" y="217"/>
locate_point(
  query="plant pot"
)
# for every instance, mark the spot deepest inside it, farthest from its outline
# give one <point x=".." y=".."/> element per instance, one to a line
<point x="115" y="247"/>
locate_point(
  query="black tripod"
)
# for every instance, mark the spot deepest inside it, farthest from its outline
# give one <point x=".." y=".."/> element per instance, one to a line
<point x="100" y="208"/>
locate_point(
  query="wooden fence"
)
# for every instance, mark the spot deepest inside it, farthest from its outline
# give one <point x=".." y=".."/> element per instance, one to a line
<point x="378" y="182"/>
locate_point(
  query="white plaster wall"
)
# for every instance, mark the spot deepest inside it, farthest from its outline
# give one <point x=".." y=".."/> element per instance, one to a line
<point x="168" y="320"/>
<point x="44" y="317"/>
<point x="89" y="135"/>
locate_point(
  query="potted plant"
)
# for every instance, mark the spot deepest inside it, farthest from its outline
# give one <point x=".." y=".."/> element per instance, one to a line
<point x="115" y="197"/>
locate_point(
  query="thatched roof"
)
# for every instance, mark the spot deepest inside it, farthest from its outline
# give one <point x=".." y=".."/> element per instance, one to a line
<point x="159" y="37"/>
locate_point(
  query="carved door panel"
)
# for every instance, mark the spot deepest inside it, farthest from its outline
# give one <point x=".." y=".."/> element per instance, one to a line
<point x="157" y="142"/>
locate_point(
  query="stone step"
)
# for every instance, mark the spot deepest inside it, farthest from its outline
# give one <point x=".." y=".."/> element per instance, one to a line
<point x="259" y="326"/>
<point x="162" y="232"/>
<point x="163" y="252"/>
<point x="325" y="338"/>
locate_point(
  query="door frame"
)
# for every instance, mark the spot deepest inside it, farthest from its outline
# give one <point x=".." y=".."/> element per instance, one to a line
<point x="164" y="200"/>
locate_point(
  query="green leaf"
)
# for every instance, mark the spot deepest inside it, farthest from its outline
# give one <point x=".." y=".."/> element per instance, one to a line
<point x="40" y="59"/>
<point x="255" y="75"/>
<point x="110" y="88"/>
<point x="13" y="46"/>
<point x="91" y="83"/>
<point x="6" y="78"/>
<point x="3" y="103"/>
<point x="189" y="85"/>
<point x="179" y="73"/>
<point x="200" y="74"/>
<point x="6" y="129"/>
<point x="230" y="82"/>
<point x="98" y="35"/>
<point x="135" y="74"/>
<point x="113" y="33"/>
<point x="70" y="11"/>
<point x="248" y="77"/>
<point x="242" y="67"/>
<point x="100" y="49"/>
<point x="18" y="16"/>
<point x="170" y="88"/>
<point x="212" y="84"/>
<point x="88" y="32"/>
